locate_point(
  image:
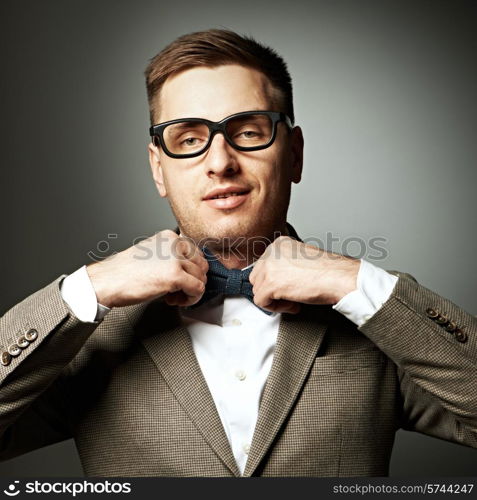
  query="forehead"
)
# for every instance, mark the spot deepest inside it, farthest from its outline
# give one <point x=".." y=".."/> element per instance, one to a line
<point x="214" y="93"/>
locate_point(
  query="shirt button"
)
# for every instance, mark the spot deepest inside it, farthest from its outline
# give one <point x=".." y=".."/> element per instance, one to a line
<point x="236" y="322"/>
<point x="246" y="448"/>
<point x="241" y="375"/>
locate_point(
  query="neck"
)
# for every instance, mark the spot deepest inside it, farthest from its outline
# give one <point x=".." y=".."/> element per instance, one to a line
<point x="245" y="254"/>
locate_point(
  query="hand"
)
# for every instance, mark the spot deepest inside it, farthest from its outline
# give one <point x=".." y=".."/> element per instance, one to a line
<point x="162" y="265"/>
<point x="291" y="272"/>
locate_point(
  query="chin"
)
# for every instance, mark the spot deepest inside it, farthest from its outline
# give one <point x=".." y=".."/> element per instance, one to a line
<point x="230" y="225"/>
<point x="229" y="230"/>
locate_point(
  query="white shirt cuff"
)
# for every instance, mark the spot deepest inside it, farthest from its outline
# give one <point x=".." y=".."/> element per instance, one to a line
<point x="78" y="292"/>
<point x="374" y="287"/>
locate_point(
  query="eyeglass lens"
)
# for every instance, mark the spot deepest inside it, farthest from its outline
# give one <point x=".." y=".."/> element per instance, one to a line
<point x="247" y="131"/>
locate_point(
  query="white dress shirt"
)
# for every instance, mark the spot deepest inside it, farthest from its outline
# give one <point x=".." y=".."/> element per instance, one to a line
<point x="234" y="342"/>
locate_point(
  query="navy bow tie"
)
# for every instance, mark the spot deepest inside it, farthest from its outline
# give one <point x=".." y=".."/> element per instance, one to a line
<point x="223" y="281"/>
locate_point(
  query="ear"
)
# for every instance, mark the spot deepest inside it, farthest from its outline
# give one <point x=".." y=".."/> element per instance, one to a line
<point x="154" y="161"/>
<point x="297" y="144"/>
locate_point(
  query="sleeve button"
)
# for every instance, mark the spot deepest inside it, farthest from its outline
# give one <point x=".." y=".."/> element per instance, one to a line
<point x="441" y="320"/>
<point x="460" y="335"/>
<point x="5" y="358"/>
<point x="432" y="313"/>
<point x="14" y="350"/>
<point x="22" y="342"/>
<point x="451" y="327"/>
<point x="31" y="335"/>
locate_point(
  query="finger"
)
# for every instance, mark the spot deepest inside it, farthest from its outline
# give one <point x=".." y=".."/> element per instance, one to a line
<point x="257" y="276"/>
<point x="172" y="298"/>
<point x="188" y="251"/>
<point x="264" y="290"/>
<point x="191" y="285"/>
<point x="283" y="306"/>
<point x="261" y="298"/>
<point x="252" y="277"/>
<point x="266" y="300"/>
<point x="180" y="299"/>
<point x="194" y="270"/>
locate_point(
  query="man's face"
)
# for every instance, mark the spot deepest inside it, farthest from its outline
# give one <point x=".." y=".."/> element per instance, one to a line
<point x="265" y="175"/>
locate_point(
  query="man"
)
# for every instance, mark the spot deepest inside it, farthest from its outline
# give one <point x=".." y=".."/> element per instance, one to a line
<point x="229" y="347"/>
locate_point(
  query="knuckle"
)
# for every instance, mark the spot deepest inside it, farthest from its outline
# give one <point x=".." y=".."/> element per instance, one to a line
<point x="267" y="275"/>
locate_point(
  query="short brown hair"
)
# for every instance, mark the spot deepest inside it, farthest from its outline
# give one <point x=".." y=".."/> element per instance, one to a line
<point x="213" y="48"/>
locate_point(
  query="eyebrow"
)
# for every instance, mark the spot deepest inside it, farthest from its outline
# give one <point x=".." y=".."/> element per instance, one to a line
<point x="184" y="124"/>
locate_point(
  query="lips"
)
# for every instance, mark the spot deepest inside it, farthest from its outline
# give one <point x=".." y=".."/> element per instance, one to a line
<point x="225" y="195"/>
<point x="225" y="192"/>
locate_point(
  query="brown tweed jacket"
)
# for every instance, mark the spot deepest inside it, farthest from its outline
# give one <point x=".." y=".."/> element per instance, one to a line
<point x="130" y="392"/>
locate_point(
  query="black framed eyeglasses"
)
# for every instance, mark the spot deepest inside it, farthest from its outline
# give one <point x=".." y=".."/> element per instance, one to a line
<point x="246" y="131"/>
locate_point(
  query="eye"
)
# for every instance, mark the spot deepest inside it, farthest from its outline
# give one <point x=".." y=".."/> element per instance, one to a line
<point x="249" y="134"/>
<point x="190" y="141"/>
<point x="184" y="137"/>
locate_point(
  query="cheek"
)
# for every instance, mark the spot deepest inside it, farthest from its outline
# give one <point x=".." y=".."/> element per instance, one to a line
<point x="271" y="185"/>
<point x="182" y="192"/>
<point x="275" y="174"/>
<point x="271" y="165"/>
<point x="181" y="184"/>
<point x="185" y="194"/>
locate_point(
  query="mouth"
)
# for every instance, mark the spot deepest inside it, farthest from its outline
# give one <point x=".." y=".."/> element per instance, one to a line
<point x="227" y="200"/>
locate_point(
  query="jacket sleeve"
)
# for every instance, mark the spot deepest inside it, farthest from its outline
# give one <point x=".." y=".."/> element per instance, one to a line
<point x="38" y="339"/>
<point x="433" y="342"/>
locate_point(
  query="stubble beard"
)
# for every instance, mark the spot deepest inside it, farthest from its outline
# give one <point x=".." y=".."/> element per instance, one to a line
<point x="248" y="236"/>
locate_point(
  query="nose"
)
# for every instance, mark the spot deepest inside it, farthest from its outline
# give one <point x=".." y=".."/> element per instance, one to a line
<point x="220" y="158"/>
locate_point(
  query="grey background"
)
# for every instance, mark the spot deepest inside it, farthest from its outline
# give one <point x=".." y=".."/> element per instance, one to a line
<point x="384" y="90"/>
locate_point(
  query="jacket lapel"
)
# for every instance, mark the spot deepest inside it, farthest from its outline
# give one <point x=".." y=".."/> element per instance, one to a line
<point x="299" y="338"/>
<point x="169" y="345"/>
